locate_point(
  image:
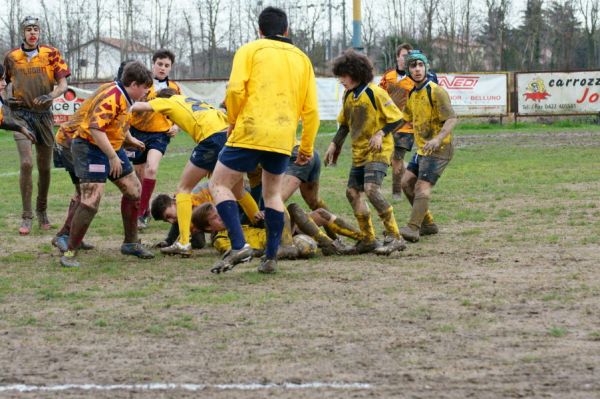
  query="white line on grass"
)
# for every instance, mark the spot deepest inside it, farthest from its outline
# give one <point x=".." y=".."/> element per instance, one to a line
<point x="184" y="387"/>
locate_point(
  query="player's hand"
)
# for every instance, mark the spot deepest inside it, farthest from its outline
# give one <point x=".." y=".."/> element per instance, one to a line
<point x="14" y="102"/>
<point x="302" y="159"/>
<point x="432" y="145"/>
<point x="137" y="144"/>
<point x="173" y="131"/>
<point x="376" y="141"/>
<point x="230" y="130"/>
<point x="116" y="167"/>
<point x="258" y="216"/>
<point x="45" y="99"/>
<point x="29" y="134"/>
<point x="329" y="157"/>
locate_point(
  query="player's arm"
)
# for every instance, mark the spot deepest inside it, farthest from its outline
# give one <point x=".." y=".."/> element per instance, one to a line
<point x="131" y="141"/>
<point x="335" y="147"/>
<point x="446" y="113"/>
<point x="141" y="106"/>
<point x="236" y="88"/>
<point x="393" y="119"/>
<point x="58" y="91"/>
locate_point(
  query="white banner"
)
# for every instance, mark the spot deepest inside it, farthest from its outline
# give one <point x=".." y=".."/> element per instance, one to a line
<point x="477" y="94"/>
<point x="558" y="93"/>
<point x="66" y="105"/>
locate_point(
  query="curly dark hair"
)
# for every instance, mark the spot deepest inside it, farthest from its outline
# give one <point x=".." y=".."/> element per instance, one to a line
<point x="354" y="64"/>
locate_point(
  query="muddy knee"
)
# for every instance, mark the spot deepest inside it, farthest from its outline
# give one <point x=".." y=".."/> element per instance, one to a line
<point x="375" y="196"/>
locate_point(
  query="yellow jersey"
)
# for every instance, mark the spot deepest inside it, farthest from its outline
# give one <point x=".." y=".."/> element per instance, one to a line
<point x="429" y="117"/>
<point x="272" y="85"/>
<point x="255" y="237"/>
<point x="34" y="77"/>
<point x="398" y="86"/>
<point x="109" y="113"/>
<point x="366" y="110"/>
<point x="153" y="122"/>
<point x="197" y="118"/>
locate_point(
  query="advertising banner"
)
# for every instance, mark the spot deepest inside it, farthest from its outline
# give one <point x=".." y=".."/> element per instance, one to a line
<point x="477" y="94"/>
<point x="558" y="93"/>
<point x="66" y="105"/>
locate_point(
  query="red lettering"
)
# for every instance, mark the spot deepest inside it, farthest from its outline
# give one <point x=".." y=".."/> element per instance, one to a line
<point x="594" y="97"/>
<point x="582" y="99"/>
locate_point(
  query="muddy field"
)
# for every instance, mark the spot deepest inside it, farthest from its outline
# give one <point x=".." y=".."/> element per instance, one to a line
<point x="502" y="303"/>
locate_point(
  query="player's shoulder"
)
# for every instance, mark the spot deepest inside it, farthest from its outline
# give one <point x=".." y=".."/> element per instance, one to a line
<point x="14" y="52"/>
<point x="175" y="86"/>
<point x="390" y="74"/>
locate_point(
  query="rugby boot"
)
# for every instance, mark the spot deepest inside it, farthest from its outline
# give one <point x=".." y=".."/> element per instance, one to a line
<point x="232" y="258"/>
<point x="68" y="259"/>
<point x="26" y="224"/>
<point x="267" y="266"/>
<point x="342" y="248"/>
<point x="410" y="234"/>
<point x="43" y="221"/>
<point x="86" y="246"/>
<point x="390" y="244"/>
<point x="365" y="246"/>
<point x="136" y="249"/>
<point x="142" y="223"/>
<point x="177" y="248"/>
<point x="61" y="242"/>
<point x="428" y="229"/>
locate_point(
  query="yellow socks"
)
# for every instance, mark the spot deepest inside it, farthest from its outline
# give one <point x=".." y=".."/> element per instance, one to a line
<point x="389" y="221"/>
<point x="184" y="216"/>
<point x="366" y="226"/>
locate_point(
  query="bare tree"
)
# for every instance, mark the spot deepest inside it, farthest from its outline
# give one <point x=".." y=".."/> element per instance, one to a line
<point x="590" y="12"/>
<point x="12" y="20"/>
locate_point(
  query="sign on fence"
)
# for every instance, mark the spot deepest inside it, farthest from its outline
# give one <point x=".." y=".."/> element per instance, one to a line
<point x="477" y="94"/>
<point x="66" y="105"/>
<point x="558" y="93"/>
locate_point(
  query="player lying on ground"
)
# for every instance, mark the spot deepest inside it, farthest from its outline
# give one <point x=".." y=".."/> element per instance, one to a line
<point x="208" y="128"/>
<point x="370" y="116"/>
<point x="164" y="208"/>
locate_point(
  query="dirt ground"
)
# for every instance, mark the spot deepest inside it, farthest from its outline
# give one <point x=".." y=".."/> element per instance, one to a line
<point x="475" y="311"/>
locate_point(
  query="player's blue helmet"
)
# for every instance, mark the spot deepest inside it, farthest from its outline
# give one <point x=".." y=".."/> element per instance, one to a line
<point x="415" y="55"/>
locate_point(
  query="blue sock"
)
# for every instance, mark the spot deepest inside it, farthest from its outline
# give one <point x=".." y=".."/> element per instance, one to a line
<point x="274" y="221"/>
<point x="228" y="211"/>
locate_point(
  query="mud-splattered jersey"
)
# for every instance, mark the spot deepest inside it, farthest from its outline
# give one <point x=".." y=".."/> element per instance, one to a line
<point x="35" y="77"/>
<point x="398" y="85"/>
<point x="366" y="110"/>
<point x="428" y="117"/>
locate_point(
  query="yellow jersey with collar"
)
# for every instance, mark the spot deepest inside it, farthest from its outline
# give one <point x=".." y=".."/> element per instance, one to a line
<point x="428" y="117"/>
<point x="366" y="110"/>
<point x="272" y="85"/>
<point x="398" y="86"/>
<point x="108" y="113"/>
<point x="196" y="117"/>
<point x="255" y="237"/>
<point x="34" y="77"/>
<point x="153" y="122"/>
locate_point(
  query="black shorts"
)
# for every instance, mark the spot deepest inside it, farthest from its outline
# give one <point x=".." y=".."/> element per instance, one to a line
<point x="92" y="165"/>
<point x="403" y="143"/>
<point x="153" y="141"/>
<point x="427" y="168"/>
<point x="40" y="123"/>
<point x="207" y="151"/>
<point x="63" y="158"/>
<point x="372" y="172"/>
<point x="306" y="173"/>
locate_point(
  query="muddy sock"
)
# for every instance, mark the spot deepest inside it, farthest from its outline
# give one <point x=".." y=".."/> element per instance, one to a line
<point x="228" y="211"/>
<point x="147" y="190"/>
<point x="366" y="226"/>
<point x="389" y="221"/>
<point x="274" y="221"/>
<point x="26" y="186"/>
<point x="184" y="216"/>
<point x="307" y="225"/>
<point x="129" y="212"/>
<point x="419" y="209"/>
<point x="82" y="219"/>
<point x="64" y="230"/>
<point x="343" y="228"/>
<point x="428" y="219"/>
<point x="397" y="182"/>
<point x="286" y="234"/>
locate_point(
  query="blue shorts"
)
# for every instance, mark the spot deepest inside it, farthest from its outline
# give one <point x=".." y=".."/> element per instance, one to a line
<point x="91" y="164"/>
<point x="427" y="168"/>
<point x="308" y="173"/>
<point x="207" y="151"/>
<point x="153" y="141"/>
<point x="64" y="159"/>
<point x="246" y="160"/>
